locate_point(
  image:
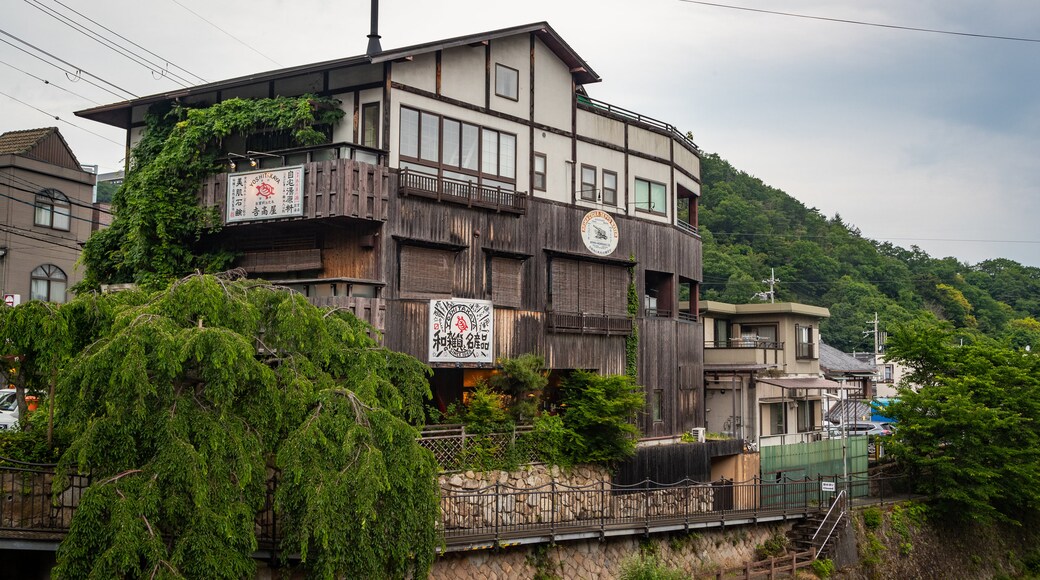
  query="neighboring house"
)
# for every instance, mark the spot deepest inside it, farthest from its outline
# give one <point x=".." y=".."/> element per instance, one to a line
<point x="858" y="378"/>
<point x="889" y="374"/>
<point x="476" y="203"/>
<point x="45" y="215"/>
<point x="762" y="376"/>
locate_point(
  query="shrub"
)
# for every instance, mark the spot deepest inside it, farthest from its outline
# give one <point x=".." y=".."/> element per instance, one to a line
<point x="599" y="410"/>
<point x="823" y="568"/>
<point x="872" y="518"/>
<point x="775" y="546"/>
<point x="649" y="567"/>
<point x="549" y="440"/>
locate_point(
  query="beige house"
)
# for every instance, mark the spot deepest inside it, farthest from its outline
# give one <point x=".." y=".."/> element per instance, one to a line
<point x="762" y="379"/>
<point x="45" y="215"/>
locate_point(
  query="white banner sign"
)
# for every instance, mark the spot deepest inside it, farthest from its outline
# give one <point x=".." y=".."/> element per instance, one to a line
<point x="461" y="331"/>
<point x="264" y="195"/>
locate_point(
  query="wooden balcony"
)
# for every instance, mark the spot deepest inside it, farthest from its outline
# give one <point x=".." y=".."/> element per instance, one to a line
<point x="585" y="323"/>
<point x="332" y="189"/>
<point x="467" y="193"/>
<point x="371" y="310"/>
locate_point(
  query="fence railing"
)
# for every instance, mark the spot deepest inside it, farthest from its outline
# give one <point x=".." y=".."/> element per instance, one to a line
<point x="585" y="323"/>
<point x="469" y="193"/>
<point x="499" y="512"/>
<point x="455" y="448"/>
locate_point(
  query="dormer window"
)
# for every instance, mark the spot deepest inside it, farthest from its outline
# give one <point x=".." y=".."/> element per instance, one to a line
<point x="52" y="210"/>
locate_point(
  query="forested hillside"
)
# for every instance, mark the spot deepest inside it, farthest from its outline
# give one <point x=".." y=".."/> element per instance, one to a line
<point x="749" y="227"/>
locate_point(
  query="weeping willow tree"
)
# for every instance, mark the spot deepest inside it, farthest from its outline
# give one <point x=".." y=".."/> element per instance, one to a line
<point x="189" y="400"/>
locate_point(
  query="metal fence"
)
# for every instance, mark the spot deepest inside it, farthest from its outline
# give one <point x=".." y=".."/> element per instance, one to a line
<point x="455" y="448"/>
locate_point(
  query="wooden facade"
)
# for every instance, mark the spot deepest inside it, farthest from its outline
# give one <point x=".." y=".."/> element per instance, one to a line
<point x="470" y="193"/>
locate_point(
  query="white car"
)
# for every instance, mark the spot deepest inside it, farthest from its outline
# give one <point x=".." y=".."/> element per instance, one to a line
<point x="8" y="409"/>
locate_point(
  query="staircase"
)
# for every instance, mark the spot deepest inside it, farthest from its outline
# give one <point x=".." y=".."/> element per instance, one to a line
<point x="820" y="531"/>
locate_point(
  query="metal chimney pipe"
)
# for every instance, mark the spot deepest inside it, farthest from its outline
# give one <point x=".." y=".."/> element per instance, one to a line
<point x="373" y="36"/>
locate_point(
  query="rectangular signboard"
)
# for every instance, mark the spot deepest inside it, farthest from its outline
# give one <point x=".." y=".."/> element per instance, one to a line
<point x="264" y="195"/>
<point x="827" y="486"/>
<point x="462" y="331"/>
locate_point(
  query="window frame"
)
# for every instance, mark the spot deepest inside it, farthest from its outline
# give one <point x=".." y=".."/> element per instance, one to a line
<point x="49" y="274"/>
<point x="539" y="174"/>
<point x="587" y="193"/>
<point x="801" y="346"/>
<point x="49" y="201"/>
<point x="648" y="204"/>
<point x="367" y="124"/>
<point x="612" y="199"/>
<point x="514" y="75"/>
<point x="657" y="406"/>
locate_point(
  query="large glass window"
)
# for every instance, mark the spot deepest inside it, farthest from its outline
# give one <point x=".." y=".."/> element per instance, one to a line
<point x="52" y="210"/>
<point x="457" y="150"/>
<point x="452" y="142"/>
<point x="651" y="196"/>
<point x="430" y="137"/>
<point x="48" y="283"/>
<point x="409" y="132"/>
<point x="507" y="82"/>
<point x="588" y="183"/>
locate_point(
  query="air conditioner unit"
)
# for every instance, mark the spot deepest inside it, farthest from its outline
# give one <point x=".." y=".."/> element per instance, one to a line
<point x="698" y="434"/>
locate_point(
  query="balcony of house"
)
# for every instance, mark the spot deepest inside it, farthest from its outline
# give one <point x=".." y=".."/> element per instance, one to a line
<point x="360" y="297"/>
<point x="744" y="350"/>
<point x="337" y="180"/>
<point x="588" y="323"/>
<point x="790" y="438"/>
<point x="469" y="193"/>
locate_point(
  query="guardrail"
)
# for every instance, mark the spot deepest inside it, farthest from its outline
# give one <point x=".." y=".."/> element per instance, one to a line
<point x="468" y="193"/>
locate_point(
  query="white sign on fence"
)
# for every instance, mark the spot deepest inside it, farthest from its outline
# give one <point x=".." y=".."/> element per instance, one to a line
<point x="827" y="486"/>
<point x="264" y="195"/>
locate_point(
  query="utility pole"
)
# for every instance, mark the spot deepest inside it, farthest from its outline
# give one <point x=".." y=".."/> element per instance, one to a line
<point x="772" y="281"/>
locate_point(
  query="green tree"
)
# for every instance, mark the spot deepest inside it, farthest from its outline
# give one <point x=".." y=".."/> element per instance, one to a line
<point x="600" y="411"/>
<point x="522" y="380"/>
<point x="191" y="399"/>
<point x="971" y="434"/>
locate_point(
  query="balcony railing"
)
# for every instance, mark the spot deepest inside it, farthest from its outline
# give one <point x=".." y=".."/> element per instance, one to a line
<point x="468" y="193"/>
<point x="586" y="323"/>
<point x="621" y="112"/>
<point x="745" y="342"/>
<point x="371" y="310"/>
<point x="331" y="189"/>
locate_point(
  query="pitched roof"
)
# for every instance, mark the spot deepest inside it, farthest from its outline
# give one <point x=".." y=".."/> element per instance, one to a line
<point x="45" y="144"/>
<point x="117" y="115"/>
<point x="21" y="142"/>
<point x="835" y="361"/>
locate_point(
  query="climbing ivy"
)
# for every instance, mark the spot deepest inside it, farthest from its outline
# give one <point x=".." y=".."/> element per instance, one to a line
<point x="632" y="340"/>
<point x="158" y="228"/>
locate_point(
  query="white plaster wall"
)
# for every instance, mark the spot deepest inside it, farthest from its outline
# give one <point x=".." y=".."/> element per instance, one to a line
<point x="648" y="142"/>
<point x="603" y="129"/>
<point x="344" y="130"/>
<point x="555" y="89"/>
<point x="687" y="160"/>
<point x="557" y="150"/>
<point x="602" y="158"/>
<point x="420" y="72"/>
<point x="652" y="171"/>
<point x="463" y="74"/>
<point x="513" y="52"/>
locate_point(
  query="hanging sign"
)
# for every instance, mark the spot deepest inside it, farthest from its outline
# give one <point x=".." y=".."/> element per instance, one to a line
<point x="264" y="195"/>
<point x="599" y="232"/>
<point x="461" y="331"/>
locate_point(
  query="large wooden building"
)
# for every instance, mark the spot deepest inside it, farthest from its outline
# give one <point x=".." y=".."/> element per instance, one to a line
<point x="476" y="203"/>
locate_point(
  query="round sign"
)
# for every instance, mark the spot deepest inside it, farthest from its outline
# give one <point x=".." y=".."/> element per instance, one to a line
<point x="599" y="232"/>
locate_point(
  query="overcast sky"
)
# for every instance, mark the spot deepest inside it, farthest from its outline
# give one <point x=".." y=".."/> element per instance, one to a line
<point x="913" y="137"/>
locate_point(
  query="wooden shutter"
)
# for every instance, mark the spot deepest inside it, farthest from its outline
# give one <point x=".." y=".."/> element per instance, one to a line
<point x="505" y="282"/>
<point x="590" y="288"/>
<point x="564" y="287"/>
<point x="615" y="290"/>
<point x="427" y="271"/>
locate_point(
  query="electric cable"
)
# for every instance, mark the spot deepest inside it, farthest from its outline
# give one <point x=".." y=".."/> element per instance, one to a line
<point x="79" y="70"/>
<point x="57" y="118"/>
<point x="47" y="82"/>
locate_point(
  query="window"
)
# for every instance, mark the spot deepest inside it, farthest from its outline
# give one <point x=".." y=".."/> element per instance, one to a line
<point x="48" y="284"/>
<point x="651" y="196"/>
<point x="721" y="332"/>
<point x="505" y="281"/>
<point x="807" y="416"/>
<point x="539" y="172"/>
<point x="588" y="183"/>
<point x="507" y="82"/>
<point x="889" y="373"/>
<point x="453" y="149"/>
<point x="426" y="271"/>
<point x="609" y="187"/>
<point x="370" y="125"/>
<point x="804" y="342"/>
<point x="52" y="210"/>
<point x="658" y="406"/>
<point x="777" y="418"/>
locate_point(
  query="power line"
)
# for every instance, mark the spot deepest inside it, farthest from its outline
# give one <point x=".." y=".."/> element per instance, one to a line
<point x="57" y="118"/>
<point x="38" y="188"/>
<point x="75" y="76"/>
<point x="102" y="26"/>
<point x="862" y="23"/>
<point x="235" y="38"/>
<point x="26" y="234"/>
<point x="78" y="70"/>
<point x="100" y="39"/>
<point x="47" y="82"/>
<point x="31" y="204"/>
